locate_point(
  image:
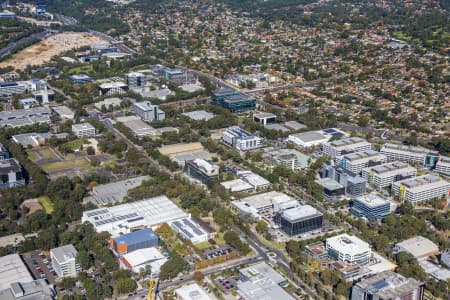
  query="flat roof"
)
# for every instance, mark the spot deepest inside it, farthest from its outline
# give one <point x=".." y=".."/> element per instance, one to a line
<point x="300" y="212"/>
<point x="362" y="155"/>
<point x="404" y="148"/>
<point x="252" y="178"/>
<point x="329" y="184"/>
<point x="421" y="183"/>
<point x="62" y="110"/>
<point x="294" y="125"/>
<point x="145" y="105"/>
<point x="9" y="165"/>
<point x="136" y="237"/>
<point x="110" y="85"/>
<point x="372" y="200"/>
<point x="348" y="244"/>
<point x="64" y="253"/>
<point x="114" y="191"/>
<point x="344" y="143"/>
<point x="12" y="239"/>
<point x="263" y="200"/>
<point x="192" y="292"/>
<point x="24" y="113"/>
<point x="264" y="115"/>
<point x="240" y="133"/>
<point x="13" y="269"/>
<point x="141" y="256"/>
<point x="418" y="246"/>
<point x="395" y="167"/>
<point x="309" y="136"/>
<point x="188" y="228"/>
<point x="237" y="185"/>
<point x="199" y="115"/>
<point x="82" y="126"/>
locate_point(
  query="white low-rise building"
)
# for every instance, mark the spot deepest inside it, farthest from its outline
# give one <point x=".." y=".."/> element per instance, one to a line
<point x="125" y="218"/>
<point x="83" y="130"/>
<point x="191" y="292"/>
<point x="138" y="260"/>
<point x="64" y="261"/>
<point x="309" y="139"/>
<point x="241" y="139"/>
<point x="443" y="166"/>
<point x="382" y="176"/>
<point x="190" y="230"/>
<point x="345" y="146"/>
<point x="420" y="189"/>
<point x="348" y="248"/>
<point x="419" y="247"/>
<point x="357" y="161"/>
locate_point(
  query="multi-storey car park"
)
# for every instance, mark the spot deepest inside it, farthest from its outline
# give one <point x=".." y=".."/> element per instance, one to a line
<point x="357" y="161"/>
<point x="410" y="154"/>
<point x="384" y="175"/>
<point x="345" y="146"/>
<point x="420" y="189"/>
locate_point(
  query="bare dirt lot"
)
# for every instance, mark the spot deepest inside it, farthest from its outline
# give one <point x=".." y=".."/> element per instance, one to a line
<point x="45" y="50"/>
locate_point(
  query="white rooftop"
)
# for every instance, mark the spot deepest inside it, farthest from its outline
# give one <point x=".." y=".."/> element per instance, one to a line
<point x="372" y="200"/>
<point x="260" y="201"/>
<point x="192" y="292"/>
<point x="422" y="183"/>
<point x="199" y="115"/>
<point x="237" y="185"/>
<point x="418" y="246"/>
<point x="300" y="212"/>
<point x="141" y="256"/>
<point x="349" y="244"/>
<point x="13" y="269"/>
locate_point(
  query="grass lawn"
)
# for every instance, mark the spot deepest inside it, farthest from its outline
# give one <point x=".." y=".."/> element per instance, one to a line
<point x="80" y="69"/>
<point x="32" y="156"/>
<point x="203" y="245"/>
<point x="46" y="204"/>
<point x="66" y="164"/>
<point x="47" y="153"/>
<point x="76" y="144"/>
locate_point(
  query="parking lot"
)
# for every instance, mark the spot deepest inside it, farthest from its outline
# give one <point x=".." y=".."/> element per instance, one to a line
<point x="40" y="265"/>
<point x="219" y="251"/>
<point x="226" y="284"/>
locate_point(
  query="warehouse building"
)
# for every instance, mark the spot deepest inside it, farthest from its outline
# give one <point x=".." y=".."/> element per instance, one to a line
<point x="138" y="127"/>
<point x="382" y="176"/>
<point x="202" y="170"/>
<point x="129" y="242"/>
<point x="357" y="161"/>
<point x="349" y="249"/>
<point x="308" y="140"/>
<point x="35" y="139"/>
<point x="346" y="146"/>
<point x="419" y="247"/>
<point x="443" y="166"/>
<point x="64" y="261"/>
<point x="128" y="217"/>
<point x="237" y="186"/>
<point x="199" y="115"/>
<point x="189" y="230"/>
<point x="138" y="260"/>
<point x="388" y="285"/>
<point x="410" y="154"/>
<point x="63" y="112"/>
<point x="114" y="192"/>
<point x="260" y="281"/>
<point x="241" y="139"/>
<point x="299" y="219"/>
<point x="371" y="207"/>
<point x="421" y="189"/>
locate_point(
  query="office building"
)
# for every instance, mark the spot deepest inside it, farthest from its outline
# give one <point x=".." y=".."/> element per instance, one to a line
<point x="354" y="184"/>
<point x="290" y="158"/>
<point x="260" y="281"/>
<point x="79" y="79"/>
<point x="114" y="192"/>
<point x="252" y="206"/>
<point x="258" y="182"/>
<point x="410" y="154"/>
<point x="357" y="161"/>
<point x="388" y="285"/>
<point x="138" y="260"/>
<point x="241" y="139"/>
<point x="371" y="207"/>
<point x="443" y="166"/>
<point x="420" y="189"/>
<point x="128" y="217"/>
<point x="189" y="230"/>
<point x="233" y="100"/>
<point x="382" y="176"/>
<point x="4" y="153"/>
<point x="349" y="249"/>
<point x="44" y="96"/>
<point x="201" y="169"/>
<point x="299" y="220"/>
<point x="113" y="88"/>
<point x="148" y="112"/>
<point x="83" y="130"/>
<point x="11" y="88"/>
<point x="191" y="292"/>
<point x="64" y="261"/>
<point x="129" y="242"/>
<point x="136" y="80"/>
<point x="11" y="173"/>
<point x="345" y="146"/>
<point x="333" y="191"/>
<point x="419" y="247"/>
<point x="265" y="118"/>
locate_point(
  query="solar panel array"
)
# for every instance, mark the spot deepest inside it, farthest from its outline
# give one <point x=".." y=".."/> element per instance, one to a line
<point x="97" y="212"/>
<point x="116" y="218"/>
